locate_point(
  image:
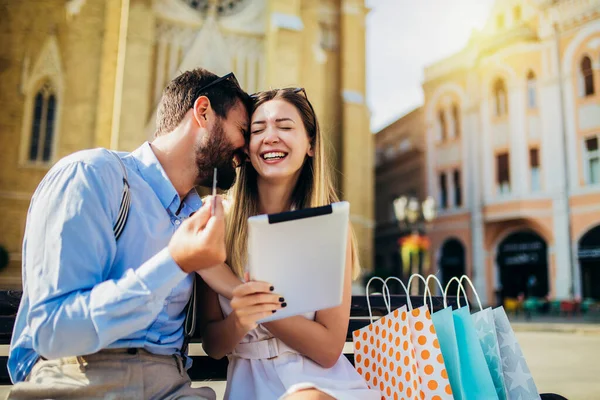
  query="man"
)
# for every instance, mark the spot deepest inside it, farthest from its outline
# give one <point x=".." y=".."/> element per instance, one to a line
<point x="102" y="314"/>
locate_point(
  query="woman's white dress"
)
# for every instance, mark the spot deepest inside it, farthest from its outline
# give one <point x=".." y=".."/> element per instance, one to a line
<point x="262" y="367"/>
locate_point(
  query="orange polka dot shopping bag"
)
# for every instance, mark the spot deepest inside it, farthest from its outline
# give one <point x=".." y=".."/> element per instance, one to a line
<point x="398" y="355"/>
<point x="430" y="361"/>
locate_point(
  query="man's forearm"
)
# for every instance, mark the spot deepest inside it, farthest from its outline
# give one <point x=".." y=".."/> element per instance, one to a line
<point x="87" y="320"/>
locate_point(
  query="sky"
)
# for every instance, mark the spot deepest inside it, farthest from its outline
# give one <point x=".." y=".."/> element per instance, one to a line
<point x="403" y="37"/>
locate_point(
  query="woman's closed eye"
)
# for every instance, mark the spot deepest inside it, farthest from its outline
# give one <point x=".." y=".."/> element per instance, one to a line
<point x="261" y="129"/>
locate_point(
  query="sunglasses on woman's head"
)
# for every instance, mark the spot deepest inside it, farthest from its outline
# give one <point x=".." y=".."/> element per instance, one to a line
<point x="254" y="96"/>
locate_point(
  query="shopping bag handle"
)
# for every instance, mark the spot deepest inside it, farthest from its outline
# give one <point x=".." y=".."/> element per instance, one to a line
<point x="428" y="291"/>
<point x="387" y="291"/>
<point x="413" y="276"/>
<point x="465" y="277"/>
<point x="460" y="286"/>
<point x="385" y="299"/>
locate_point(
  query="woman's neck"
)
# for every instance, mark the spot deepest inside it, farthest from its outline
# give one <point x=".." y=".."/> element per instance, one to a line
<point x="275" y="196"/>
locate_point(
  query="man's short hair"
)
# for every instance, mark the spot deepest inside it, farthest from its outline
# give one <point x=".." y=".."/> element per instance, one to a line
<point x="181" y="93"/>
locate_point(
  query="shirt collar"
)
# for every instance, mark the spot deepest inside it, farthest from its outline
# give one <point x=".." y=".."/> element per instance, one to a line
<point x="154" y="174"/>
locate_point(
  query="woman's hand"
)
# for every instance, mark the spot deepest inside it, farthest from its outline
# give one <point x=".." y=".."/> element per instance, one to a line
<point x="253" y="301"/>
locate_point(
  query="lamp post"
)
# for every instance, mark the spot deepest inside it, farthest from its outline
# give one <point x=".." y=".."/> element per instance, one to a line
<point x="413" y="216"/>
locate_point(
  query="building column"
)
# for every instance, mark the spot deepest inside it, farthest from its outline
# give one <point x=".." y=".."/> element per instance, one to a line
<point x="284" y="43"/>
<point x="488" y="160"/>
<point x="519" y="165"/>
<point x="475" y="194"/>
<point x="108" y="72"/>
<point x="136" y="87"/>
<point x="430" y="161"/>
<point x="556" y="177"/>
<point x="357" y="154"/>
<point x="161" y="62"/>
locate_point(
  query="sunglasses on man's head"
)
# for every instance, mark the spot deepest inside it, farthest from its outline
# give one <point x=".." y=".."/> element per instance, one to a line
<point x="228" y="77"/>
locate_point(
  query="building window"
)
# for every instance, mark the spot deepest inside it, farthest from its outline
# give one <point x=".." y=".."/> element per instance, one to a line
<point x="531" y="91"/>
<point x="517" y="13"/>
<point x="457" y="188"/>
<point x="443" y="191"/>
<point x="592" y="160"/>
<point x="503" y="173"/>
<point x="443" y="127"/>
<point x="391" y="211"/>
<point x="587" y="75"/>
<point x="404" y="145"/>
<point x="500" y="21"/>
<point x="329" y="40"/>
<point x="534" y="165"/>
<point x="500" y="98"/>
<point x="43" y="125"/>
<point x="456" y="117"/>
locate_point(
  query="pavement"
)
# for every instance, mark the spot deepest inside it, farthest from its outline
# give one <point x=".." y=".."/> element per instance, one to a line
<point x="563" y="362"/>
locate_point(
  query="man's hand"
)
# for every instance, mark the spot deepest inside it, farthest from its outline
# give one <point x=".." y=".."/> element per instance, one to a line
<point x="199" y="242"/>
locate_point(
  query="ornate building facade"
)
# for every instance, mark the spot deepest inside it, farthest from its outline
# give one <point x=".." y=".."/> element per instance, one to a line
<point x="79" y="74"/>
<point x="513" y="125"/>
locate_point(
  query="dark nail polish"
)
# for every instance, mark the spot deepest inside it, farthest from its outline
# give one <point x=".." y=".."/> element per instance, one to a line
<point x="274" y="311"/>
<point x="271" y="288"/>
<point x="281" y="299"/>
<point x="283" y="305"/>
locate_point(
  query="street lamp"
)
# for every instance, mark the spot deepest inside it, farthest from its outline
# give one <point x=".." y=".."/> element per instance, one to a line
<point x="413" y="217"/>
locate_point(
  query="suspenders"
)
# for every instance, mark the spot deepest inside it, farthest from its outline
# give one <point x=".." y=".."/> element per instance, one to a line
<point x="125" y="202"/>
<point x="189" y="325"/>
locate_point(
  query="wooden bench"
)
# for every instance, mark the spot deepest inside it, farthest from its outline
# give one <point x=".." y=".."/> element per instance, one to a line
<point x="205" y="368"/>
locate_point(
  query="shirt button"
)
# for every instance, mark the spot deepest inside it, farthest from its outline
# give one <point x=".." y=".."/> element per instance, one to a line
<point x="177" y="222"/>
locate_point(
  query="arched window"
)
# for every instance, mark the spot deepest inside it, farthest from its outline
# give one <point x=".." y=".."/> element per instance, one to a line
<point x="531" y="90"/>
<point x="456" y="117"/>
<point x="43" y="124"/>
<point x="517" y="14"/>
<point x="500" y="98"/>
<point x="443" y="128"/>
<point x="587" y="75"/>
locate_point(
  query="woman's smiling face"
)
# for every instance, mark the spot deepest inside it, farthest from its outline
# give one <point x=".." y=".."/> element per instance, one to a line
<point x="278" y="143"/>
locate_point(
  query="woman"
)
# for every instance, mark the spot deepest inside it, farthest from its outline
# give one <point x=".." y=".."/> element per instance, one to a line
<point x="287" y="170"/>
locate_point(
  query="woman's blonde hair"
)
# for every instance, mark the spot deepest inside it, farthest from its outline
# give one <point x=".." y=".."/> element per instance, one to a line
<point x="314" y="187"/>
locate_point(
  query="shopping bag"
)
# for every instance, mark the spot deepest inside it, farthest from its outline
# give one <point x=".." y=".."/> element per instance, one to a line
<point x="486" y="333"/>
<point x="443" y="322"/>
<point x="518" y="381"/>
<point x="384" y="355"/>
<point x="433" y="375"/>
<point x="475" y="376"/>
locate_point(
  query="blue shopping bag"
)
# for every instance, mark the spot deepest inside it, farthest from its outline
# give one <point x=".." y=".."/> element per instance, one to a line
<point x="443" y="321"/>
<point x="475" y="375"/>
<point x="486" y="333"/>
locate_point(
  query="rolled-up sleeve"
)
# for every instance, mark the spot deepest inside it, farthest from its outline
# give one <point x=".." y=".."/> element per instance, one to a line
<point x="69" y="248"/>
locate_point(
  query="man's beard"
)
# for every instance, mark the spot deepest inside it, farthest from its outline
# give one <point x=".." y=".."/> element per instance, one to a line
<point x="218" y="153"/>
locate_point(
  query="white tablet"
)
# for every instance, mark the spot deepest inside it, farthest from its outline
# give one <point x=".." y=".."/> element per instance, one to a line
<point x="302" y="254"/>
